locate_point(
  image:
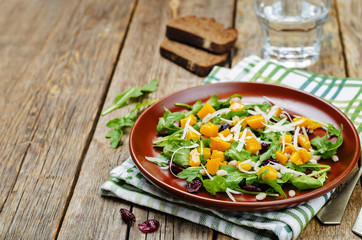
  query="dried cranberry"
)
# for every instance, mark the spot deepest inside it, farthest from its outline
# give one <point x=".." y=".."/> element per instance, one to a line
<point x="194" y="186"/>
<point x="252" y="188"/>
<point x="149" y="226"/>
<point x="273" y="120"/>
<point x="176" y="169"/>
<point x="127" y="216"/>
<point x="300" y="131"/>
<point x="265" y="162"/>
<point x="264" y="148"/>
<point x="224" y="127"/>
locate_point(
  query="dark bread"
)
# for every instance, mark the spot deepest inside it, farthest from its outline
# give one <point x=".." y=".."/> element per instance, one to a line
<point x="202" y="32"/>
<point x="195" y="60"/>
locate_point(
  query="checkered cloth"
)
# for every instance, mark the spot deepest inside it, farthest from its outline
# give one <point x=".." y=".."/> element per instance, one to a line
<point x="127" y="182"/>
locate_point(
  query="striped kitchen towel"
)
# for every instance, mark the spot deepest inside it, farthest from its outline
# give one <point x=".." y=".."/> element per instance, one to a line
<point x="126" y="181"/>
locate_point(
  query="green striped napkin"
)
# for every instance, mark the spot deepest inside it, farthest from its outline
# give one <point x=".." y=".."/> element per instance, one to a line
<point x="127" y="182"/>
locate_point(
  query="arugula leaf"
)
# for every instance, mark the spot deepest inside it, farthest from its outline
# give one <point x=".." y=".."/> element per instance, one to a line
<point x="122" y="98"/>
<point x="307" y="182"/>
<point x="190" y="173"/>
<point x="270" y="153"/>
<point x="218" y="184"/>
<point x="126" y="121"/>
<point x="115" y="135"/>
<point x="231" y="114"/>
<point x="182" y="155"/>
<point x="234" y="154"/>
<point x="167" y="122"/>
<point x="264" y="107"/>
<point x="326" y="148"/>
<point x="270" y="182"/>
<point x="150" y="87"/>
<point x="215" y="103"/>
<point x="234" y="176"/>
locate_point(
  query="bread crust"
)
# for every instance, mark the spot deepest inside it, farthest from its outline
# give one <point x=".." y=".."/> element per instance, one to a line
<point x="212" y="37"/>
<point x="174" y="51"/>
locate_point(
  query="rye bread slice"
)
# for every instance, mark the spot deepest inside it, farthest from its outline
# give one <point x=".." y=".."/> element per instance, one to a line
<point x="195" y="60"/>
<point x="202" y="32"/>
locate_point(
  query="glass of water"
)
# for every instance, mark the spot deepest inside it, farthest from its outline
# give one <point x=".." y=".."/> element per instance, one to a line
<point x="292" y="30"/>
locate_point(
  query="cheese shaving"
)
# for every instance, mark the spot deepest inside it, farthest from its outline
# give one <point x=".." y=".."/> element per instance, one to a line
<point x="186" y="128"/>
<point x="209" y="116"/>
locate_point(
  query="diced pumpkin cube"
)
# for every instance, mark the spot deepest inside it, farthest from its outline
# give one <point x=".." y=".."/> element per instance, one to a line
<point x="206" y="151"/>
<point x="212" y="166"/>
<point x="236" y="106"/>
<point x="226" y="132"/>
<point x="314" y="125"/>
<point x="283" y="159"/>
<point x="216" y="154"/>
<point x="287" y="139"/>
<point x="305" y="123"/>
<point x="192" y="135"/>
<point x="289" y="149"/>
<point x="296" y="159"/>
<point x="184" y="120"/>
<point x="218" y="144"/>
<point x="304" y="155"/>
<point x="206" y="109"/>
<point x="252" y="145"/>
<point x="244" y="166"/>
<point x="209" y="130"/>
<point x="278" y="112"/>
<point x="304" y="142"/>
<point x="256" y="121"/>
<point x="271" y="174"/>
<point x="223" y="163"/>
<point x="194" y="160"/>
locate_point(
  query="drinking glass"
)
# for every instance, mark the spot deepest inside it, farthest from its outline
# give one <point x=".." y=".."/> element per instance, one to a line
<point x="292" y="30"/>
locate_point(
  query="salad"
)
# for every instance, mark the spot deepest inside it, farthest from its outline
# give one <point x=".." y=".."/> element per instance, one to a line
<point x="238" y="148"/>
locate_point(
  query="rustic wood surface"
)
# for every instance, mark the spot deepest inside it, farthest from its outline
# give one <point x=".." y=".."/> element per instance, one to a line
<point x="62" y="62"/>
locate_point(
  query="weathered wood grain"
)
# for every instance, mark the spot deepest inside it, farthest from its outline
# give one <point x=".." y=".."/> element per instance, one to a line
<point x="139" y="62"/>
<point x="57" y="59"/>
<point x="350" y="15"/>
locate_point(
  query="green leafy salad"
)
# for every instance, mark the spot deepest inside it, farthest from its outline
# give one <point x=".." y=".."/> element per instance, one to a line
<point x="238" y="148"/>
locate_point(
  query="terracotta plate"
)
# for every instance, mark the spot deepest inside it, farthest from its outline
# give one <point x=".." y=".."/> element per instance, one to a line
<point x="297" y="102"/>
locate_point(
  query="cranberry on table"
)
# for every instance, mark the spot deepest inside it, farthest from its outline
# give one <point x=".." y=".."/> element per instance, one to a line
<point x="149" y="226"/>
<point x="127" y="216"/>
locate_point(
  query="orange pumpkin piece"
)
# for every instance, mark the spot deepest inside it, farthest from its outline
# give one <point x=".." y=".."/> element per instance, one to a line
<point x="304" y="155"/>
<point x="192" y="135"/>
<point x="305" y="123"/>
<point x="235" y="106"/>
<point x="278" y="112"/>
<point x="212" y="166"/>
<point x="206" y="109"/>
<point x="287" y="139"/>
<point x="271" y="174"/>
<point x="216" y="154"/>
<point x="184" y="120"/>
<point x="226" y="132"/>
<point x="252" y="145"/>
<point x="314" y="125"/>
<point x="296" y="159"/>
<point x="218" y="144"/>
<point x="303" y="141"/>
<point x="283" y="159"/>
<point x="289" y="149"/>
<point x="194" y="160"/>
<point x="256" y="121"/>
<point x="206" y="151"/>
<point x="209" y="130"/>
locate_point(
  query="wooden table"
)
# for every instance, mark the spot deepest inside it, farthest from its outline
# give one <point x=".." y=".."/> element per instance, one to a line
<point x="62" y="62"/>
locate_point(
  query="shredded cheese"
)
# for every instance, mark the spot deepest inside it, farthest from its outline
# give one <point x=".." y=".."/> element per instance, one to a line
<point x="187" y="125"/>
<point x="209" y="116"/>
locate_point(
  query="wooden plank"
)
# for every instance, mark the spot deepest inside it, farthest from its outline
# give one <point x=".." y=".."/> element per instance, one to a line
<point x="57" y="60"/>
<point x="350" y="14"/>
<point x="139" y="62"/>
